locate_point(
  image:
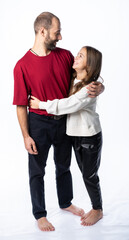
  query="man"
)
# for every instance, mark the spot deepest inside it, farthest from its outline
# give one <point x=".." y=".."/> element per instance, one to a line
<point x="45" y="72"/>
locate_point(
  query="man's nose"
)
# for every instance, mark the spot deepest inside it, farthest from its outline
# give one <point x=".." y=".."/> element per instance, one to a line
<point x="60" y="37"/>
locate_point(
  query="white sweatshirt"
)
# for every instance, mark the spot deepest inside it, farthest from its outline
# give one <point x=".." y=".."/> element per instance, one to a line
<point x="82" y="119"/>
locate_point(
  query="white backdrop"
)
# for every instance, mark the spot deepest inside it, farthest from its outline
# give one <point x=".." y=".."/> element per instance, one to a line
<point x="101" y="24"/>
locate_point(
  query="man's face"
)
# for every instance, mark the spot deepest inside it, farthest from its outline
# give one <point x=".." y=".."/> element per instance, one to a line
<point x="53" y="35"/>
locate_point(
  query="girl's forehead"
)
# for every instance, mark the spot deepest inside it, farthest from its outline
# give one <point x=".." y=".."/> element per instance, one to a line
<point x="82" y="51"/>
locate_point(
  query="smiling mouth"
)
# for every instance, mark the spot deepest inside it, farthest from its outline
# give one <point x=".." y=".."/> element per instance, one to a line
<point x="55" y="43"/>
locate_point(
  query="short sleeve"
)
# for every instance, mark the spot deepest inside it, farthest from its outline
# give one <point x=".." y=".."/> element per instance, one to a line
<point x="20" y="88"/>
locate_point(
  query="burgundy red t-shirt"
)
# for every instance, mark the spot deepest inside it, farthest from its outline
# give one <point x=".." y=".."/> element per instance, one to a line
<point x="46" y="77"/>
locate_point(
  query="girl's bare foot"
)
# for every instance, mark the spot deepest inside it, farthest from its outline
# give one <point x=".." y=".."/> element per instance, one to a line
<point x="44" y="225"/>
<point x="75" y="210"/>
<point x="92" y="217"/>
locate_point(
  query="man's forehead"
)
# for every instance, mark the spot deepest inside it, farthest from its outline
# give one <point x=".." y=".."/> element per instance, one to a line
<point x="55" y="24"/>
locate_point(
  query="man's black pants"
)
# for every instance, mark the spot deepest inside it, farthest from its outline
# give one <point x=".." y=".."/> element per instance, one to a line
<point x="47" y="131"/>
<point x="88" y="154"/>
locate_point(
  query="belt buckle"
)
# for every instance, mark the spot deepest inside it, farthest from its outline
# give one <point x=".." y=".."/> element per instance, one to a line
<point x="58" y="117"/>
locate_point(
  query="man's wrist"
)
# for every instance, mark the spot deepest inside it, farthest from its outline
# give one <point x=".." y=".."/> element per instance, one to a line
<point x="26" y="135"/>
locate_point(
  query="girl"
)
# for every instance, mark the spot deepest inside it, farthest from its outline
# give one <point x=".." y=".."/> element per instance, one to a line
<point x="83" y="125"/>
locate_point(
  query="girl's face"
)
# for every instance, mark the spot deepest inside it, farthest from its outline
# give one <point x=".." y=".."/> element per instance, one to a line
<point x="80" y="60"/>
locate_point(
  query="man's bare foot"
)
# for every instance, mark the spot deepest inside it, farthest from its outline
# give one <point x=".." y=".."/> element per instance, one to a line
<point x="75" y="210"/>
<point x="44" y="225"/>
<point x="91" y="217"/>
<point x="86" y="215"/>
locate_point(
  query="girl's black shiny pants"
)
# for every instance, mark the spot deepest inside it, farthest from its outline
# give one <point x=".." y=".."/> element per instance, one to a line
<point x="88" y="155"/>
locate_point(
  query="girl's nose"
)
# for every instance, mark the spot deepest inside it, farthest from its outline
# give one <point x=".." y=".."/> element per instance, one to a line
<point x="76" y="58"/>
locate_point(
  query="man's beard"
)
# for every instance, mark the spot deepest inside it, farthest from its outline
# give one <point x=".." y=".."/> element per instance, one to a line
<point x="50" y="44"/>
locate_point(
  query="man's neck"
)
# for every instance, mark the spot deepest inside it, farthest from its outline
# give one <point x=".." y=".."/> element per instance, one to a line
<point x="39" y="49"/>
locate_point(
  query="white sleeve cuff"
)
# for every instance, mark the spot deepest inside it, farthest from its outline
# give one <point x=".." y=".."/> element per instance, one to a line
<point x="42" y="105"/>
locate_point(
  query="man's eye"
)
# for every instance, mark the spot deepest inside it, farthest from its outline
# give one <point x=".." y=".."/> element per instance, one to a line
<point x="57" y="34"/>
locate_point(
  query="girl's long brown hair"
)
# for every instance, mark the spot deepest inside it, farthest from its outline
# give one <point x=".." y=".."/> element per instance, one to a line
<point x="93" y="68"/>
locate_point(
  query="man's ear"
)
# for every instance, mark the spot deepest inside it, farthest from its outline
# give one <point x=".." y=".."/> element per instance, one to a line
<point x="43" y="31"/>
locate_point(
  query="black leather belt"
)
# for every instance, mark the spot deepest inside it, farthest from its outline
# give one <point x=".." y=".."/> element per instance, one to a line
<point x="56" y="117"/>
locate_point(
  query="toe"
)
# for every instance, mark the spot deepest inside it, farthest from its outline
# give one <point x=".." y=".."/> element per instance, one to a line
<point x="81" y="212"/>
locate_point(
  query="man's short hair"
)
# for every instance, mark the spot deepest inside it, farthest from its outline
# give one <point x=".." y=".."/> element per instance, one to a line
<point x="44" y="20"/>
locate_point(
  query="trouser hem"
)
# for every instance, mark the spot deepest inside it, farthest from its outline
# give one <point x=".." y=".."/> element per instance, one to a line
<point x="66" y="205"/>
<point x="98" y="208"/>
<point x="40" y="216"/>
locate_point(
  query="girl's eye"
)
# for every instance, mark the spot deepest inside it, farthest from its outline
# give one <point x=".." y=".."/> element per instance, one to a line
<point x="79" y="55"/>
